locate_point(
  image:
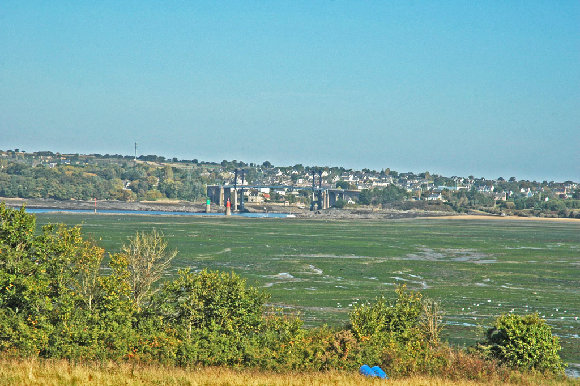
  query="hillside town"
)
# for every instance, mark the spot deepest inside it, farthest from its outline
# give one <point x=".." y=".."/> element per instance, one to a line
<point x="151" y="178"/>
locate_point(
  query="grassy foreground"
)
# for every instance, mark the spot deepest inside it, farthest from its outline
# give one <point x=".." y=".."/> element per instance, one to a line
<point x="51" y="372"/>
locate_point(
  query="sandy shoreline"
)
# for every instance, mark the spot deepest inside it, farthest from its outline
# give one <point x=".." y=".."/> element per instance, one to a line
<point x="327" y="214"/>
<point x="503" y="218"/>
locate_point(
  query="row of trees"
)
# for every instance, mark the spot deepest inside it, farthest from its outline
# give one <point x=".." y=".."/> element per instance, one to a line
<point x="61" y="298"/>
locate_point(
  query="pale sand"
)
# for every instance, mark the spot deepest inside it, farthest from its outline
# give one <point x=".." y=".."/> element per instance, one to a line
<point x="477" y="217"/>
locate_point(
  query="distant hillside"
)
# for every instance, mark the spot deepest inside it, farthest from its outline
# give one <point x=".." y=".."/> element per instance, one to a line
<point x="59" y="176"/>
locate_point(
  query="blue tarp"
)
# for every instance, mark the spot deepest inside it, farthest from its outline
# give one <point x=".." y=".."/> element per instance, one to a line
<point x="375" y="371"/>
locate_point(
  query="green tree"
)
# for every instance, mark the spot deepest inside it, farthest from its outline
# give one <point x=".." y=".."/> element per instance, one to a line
<point x="524" y="342"/>
<point x="54" y="301"/>
<point x="210" y="300"/>
<point x="365" y="197"/>
<point x="390" y="194"/>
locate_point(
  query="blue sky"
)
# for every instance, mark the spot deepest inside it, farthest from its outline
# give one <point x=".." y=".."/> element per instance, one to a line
<point x="453" y="87"/>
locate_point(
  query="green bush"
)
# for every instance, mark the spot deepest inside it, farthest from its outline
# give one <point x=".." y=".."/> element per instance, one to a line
<point x="403" y="336"/>
<point x="524" y="342"/>
<point x="54" y="301"/>
<point x="210" y="300"/>
<point x="398" y="321"/>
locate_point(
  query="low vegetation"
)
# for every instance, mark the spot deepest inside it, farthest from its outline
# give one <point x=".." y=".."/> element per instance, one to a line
<point x="60" y="300"/>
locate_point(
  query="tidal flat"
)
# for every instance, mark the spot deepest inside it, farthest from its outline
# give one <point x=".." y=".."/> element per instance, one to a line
<point x="476" y="269"/>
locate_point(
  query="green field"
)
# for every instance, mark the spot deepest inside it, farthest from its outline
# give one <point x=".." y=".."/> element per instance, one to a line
<point x="477" y="269"/>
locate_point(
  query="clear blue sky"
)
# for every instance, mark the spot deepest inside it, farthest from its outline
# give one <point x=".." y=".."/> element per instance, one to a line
<point x="487" y="88"/>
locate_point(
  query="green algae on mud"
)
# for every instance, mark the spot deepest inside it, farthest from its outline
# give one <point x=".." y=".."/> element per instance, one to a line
<point x="476" y="269"/>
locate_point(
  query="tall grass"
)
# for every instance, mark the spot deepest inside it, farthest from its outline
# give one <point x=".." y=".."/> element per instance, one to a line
<point x="61" y="372"/>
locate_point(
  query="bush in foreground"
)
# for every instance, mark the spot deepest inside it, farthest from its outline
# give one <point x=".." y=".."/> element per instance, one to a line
<point x="524" y="342"/>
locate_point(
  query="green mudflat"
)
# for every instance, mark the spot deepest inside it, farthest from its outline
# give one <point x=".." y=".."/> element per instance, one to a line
<point x="476" y="269"/>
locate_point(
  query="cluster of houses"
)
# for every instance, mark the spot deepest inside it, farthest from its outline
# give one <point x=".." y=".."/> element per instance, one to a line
<point x="420" y="187"/>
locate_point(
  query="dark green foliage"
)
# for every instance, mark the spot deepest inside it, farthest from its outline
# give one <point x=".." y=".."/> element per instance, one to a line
<point x="365" y="197"/>
<point x="340" y="204"/>
<point x="345" y="185"/>
<point x="378" y="196"/>
<point x="214" y="301"/>
<point x="524" y="342"/>
<point x="53" y="300"/>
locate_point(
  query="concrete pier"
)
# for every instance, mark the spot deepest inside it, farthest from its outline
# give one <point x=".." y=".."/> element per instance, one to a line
<point x="219" y="194"/>
<point x="234" y="195"/>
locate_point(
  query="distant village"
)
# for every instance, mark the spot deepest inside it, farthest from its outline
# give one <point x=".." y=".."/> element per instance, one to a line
<point x="422" y="186"/>
<point x="156" y="177"/>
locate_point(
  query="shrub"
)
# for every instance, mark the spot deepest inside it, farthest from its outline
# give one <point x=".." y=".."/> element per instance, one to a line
<point x="399" y="321"/>
<point x="340" y="204"/>
<point x="523" y="342"/>
<point x="325" y="348"/>
<point x="403" y="335"/>
<point x="280" y="343"/>
<point x="212" y="300"/>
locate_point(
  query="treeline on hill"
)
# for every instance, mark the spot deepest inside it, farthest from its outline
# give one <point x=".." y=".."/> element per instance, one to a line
<point x="463" y="201"/>
<point x="61" y="298"/>
<point x="125" y="181"/>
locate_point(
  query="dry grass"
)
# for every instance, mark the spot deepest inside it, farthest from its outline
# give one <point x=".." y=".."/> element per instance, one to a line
<point x="51" y="372"/>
